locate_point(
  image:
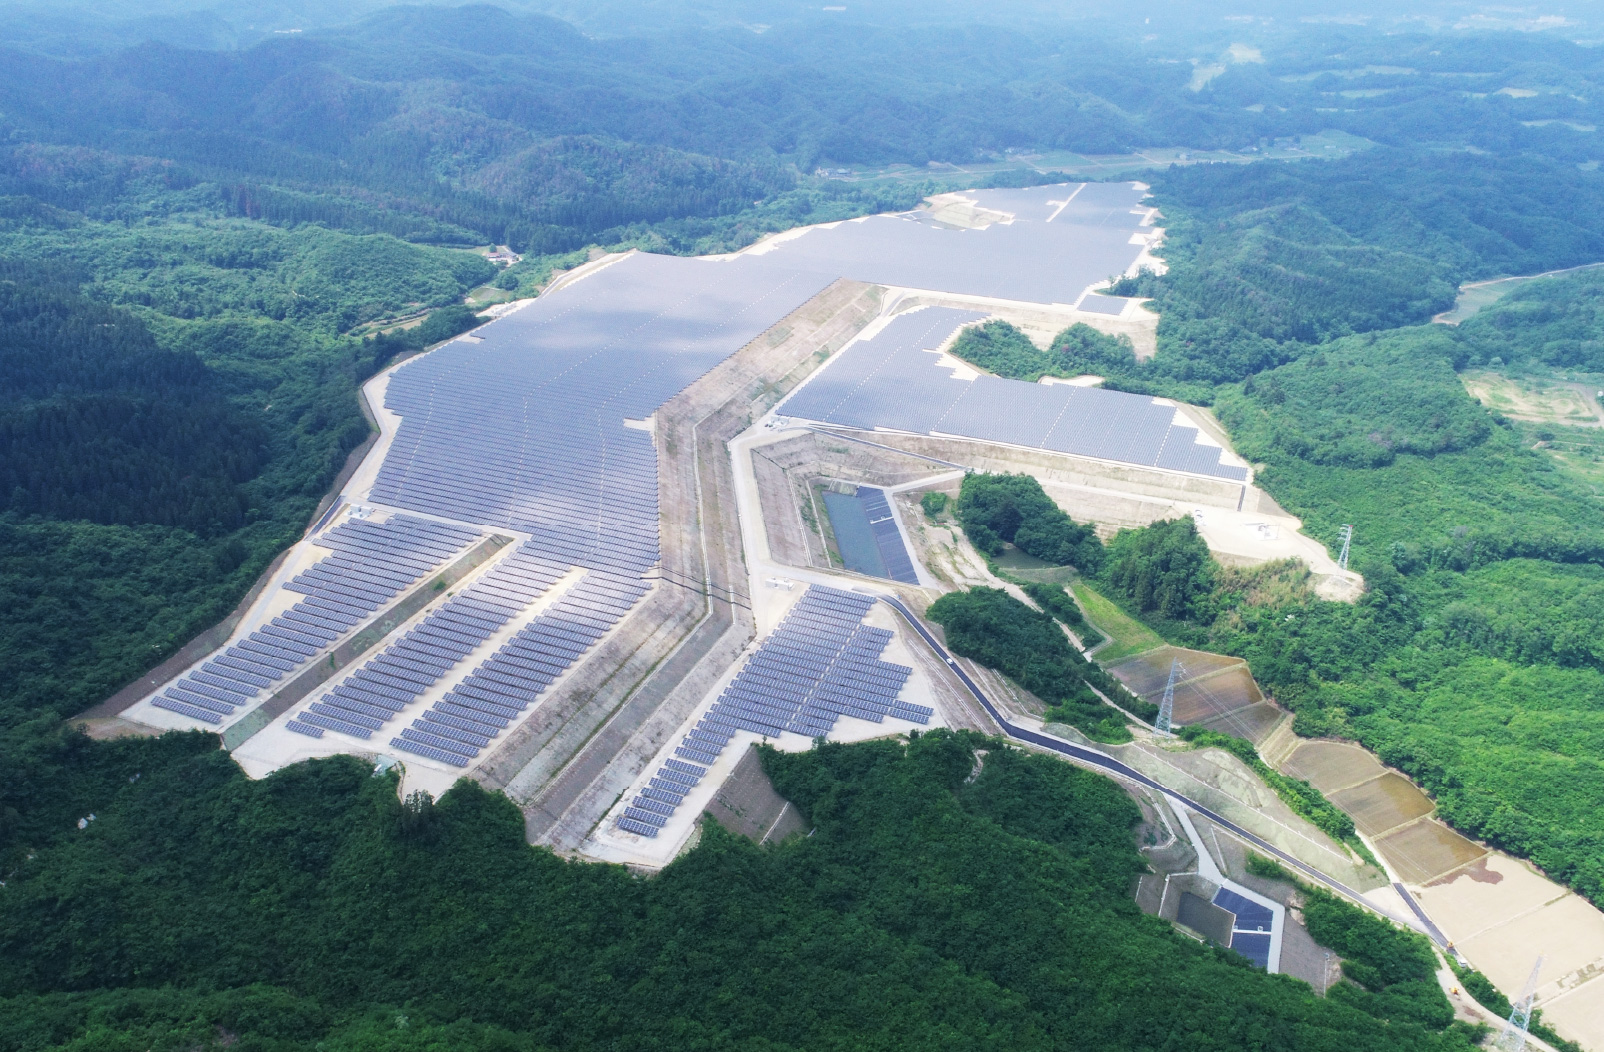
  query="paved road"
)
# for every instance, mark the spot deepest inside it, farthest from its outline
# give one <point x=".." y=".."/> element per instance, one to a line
<point x="1113" y="766"/>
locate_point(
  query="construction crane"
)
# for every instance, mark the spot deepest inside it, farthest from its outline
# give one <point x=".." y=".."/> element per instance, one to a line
<point x="1513" y="1039"/>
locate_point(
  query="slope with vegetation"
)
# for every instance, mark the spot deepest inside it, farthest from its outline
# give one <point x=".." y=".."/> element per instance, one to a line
<point x="884" y="928"/>
<point x="1467" y="662"/>
<point x="1293" y="305"/>
<point x="992" y="627"/>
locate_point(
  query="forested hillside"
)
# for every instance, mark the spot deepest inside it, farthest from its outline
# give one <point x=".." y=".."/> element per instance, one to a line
<point x="1467" y="663"/>
<point x="926" y="908"/>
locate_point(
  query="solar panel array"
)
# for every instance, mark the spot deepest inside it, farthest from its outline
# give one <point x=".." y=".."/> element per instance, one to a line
<point x="372" y="563"/>
<point x="893" y="381"/>
<point x="524" y="429"/>
<point x="1095" y="304"/>
<point x="1251" y="930"/>
<point x="899" y="567"/>
<point x="821" y="663"/>
<point x="460" y="725"/>
<point x="1062" y="239"/>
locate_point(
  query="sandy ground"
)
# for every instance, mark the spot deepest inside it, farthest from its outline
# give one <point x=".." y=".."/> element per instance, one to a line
<point x="1498" y="911"/>
<point x="1501" y="914"/>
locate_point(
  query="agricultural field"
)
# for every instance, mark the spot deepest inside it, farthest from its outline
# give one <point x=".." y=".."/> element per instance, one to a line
<point x="1534" y="399"/>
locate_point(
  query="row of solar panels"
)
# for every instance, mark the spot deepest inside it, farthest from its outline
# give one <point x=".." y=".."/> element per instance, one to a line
<point x="460" y="725"/>
<point x="893" y="552"/>
<point x="462" y="471"/>
<point x="372" y="563"/>
<point x="1251" y="931"/>
<point x="524" y="428"/>
<point x="821" y="663"/>
<point x="394" y="678"/>
<point x="892" y="381"/>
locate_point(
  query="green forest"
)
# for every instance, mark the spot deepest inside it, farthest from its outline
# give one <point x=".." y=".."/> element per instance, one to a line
<point x="209" y="911"/>
<point x="1012" y="509"/>
<point x="992" y="627"/>
<point x="1469" y="662"/>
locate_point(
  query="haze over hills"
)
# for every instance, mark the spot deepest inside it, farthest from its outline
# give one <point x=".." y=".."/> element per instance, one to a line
<point x="219" y="222"/>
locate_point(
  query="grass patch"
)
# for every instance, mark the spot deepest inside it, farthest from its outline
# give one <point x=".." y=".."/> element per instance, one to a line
<point x="1268" y="868"/>
<point x="1126" y="635"/>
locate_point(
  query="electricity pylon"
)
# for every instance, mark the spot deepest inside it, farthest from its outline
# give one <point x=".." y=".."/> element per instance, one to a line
<point x="1513" y="1039"/>
<point x="1166" y="708"/>
<point x="1347" y="541"/>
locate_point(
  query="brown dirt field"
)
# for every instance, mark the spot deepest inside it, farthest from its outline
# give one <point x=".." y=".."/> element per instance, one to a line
<point x="1147" y="673"/>
<point x="1383" y="803"/>
<point x="1426" y="849"/>
<point x="1253" y="723"/>
<point x="1488" y="892"/>
<point x="1535" y="399"/>
<point x="1580" y="1016"/>
<point x="1226" y="690"/>
<point x="105" y="728"/>
<point x="1332" y="766"/>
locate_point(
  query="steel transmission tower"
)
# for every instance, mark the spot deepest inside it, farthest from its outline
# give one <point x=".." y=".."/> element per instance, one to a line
<point x="1347" y="541"/>
<point x="1513" y="1039"/>
<point x="1166" y="708"/>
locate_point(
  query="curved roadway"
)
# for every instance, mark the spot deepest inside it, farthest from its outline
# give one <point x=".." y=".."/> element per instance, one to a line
<point x="1113" y="766"/>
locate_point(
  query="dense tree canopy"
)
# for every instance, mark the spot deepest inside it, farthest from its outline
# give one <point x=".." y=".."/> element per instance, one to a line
<point x="992" y="627"/>
<point x="1163" y="569"/>
<point x="1013" y="508"/>
<point x="1000" y="348"/>
<point x="1359" y="402"/>
<point x="887" y="927"/>
<point x="1555" y="321"/>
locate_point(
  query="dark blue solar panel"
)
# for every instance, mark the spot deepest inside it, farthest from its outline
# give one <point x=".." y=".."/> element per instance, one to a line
<point x="1255" y="946"/>
<point x="1250" y="915"/>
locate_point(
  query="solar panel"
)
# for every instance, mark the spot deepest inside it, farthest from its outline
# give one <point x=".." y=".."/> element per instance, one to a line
<point x="330" y="723"/>
<point x="1250" y="915"/>
<point x="892" y="380"/>
<point x="182" y="709"/>
<point x="789" y="687"/>
<point x="1255" y="946"/>
<point x="419" y="748"/>
<point x="435" y="741"/>
<point x="304" y="728"/>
